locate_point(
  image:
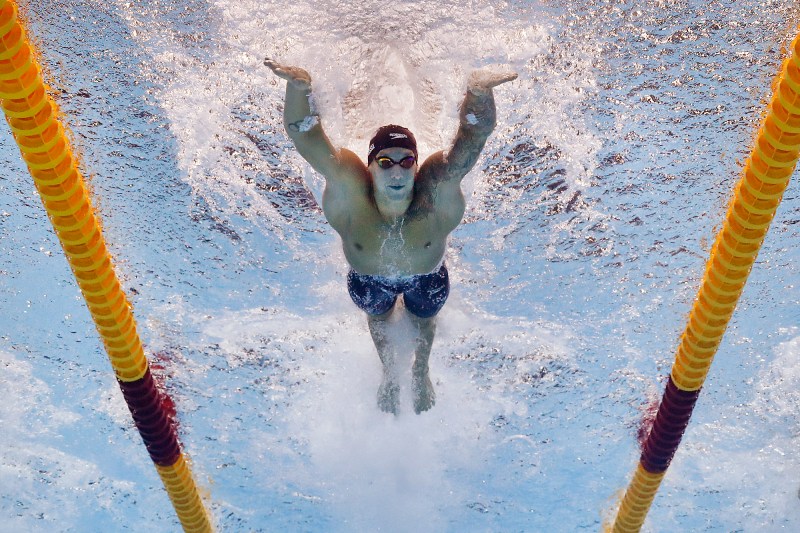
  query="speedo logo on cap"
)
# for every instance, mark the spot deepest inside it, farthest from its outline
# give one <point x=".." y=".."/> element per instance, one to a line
<point x="398" y="136"/>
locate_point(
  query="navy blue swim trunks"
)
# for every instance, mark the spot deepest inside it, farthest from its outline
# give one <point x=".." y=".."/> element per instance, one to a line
<point x="424" y="294"/>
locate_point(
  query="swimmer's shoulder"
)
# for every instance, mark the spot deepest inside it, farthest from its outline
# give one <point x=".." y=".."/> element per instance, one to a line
<point x="350" y="170"/>
<point x="347" y="190"/>
<point x="436" y="171"/>
<point x="439" y="191"/>
<point x="433" y="169"/>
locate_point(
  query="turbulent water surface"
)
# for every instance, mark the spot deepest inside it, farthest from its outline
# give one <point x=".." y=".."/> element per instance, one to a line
<point x="590" y="217"/>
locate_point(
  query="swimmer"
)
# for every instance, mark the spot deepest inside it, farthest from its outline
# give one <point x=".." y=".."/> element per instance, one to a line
<point x="394" y="215"/>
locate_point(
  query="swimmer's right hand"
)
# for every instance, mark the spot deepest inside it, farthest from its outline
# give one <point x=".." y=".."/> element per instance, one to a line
<point x="483" y="80"/>
<point x="296" y="76"/>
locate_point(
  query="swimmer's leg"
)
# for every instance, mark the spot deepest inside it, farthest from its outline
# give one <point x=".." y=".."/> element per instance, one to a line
<point x="389" y="391"/>
<point x="424" y="395"/>
<point x="424" y="299"/>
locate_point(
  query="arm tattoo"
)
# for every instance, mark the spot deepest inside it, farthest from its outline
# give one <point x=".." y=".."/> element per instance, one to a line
<point x="478" y="118"/>
<point x="464" y="155"/>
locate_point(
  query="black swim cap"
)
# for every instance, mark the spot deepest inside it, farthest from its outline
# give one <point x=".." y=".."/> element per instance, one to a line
<point x="389" y="137"/>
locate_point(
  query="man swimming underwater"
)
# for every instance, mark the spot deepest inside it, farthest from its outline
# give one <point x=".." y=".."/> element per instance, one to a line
<point x="394" y="215"/>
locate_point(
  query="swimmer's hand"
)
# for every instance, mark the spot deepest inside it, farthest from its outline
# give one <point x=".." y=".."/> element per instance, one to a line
<point x="483" y="80"/>
<point x="296" y="76"/>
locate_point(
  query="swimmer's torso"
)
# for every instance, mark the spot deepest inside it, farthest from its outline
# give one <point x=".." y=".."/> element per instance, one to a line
<point x="408" y="247"/>
<point x="413" y="244"/>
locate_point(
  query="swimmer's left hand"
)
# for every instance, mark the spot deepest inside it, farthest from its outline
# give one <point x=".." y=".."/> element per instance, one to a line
<point x="483" y="80"/>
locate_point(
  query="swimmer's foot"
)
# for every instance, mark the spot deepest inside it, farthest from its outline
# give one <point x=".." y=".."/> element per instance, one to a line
<point x="388" y="396"/>
<point x="424" y="395"/>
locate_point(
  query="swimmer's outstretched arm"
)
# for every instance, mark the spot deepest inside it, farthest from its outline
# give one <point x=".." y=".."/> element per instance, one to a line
<point x="477" y="121"/>
<point x="302" y="121"/>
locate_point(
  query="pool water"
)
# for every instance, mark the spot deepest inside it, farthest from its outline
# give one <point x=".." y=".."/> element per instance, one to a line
<point x="590" y="217"/>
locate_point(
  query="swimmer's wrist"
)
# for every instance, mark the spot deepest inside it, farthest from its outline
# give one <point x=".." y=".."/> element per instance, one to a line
<point x="301" y="85"/>
<point x="303" y="125"/>
<point x="471" y="119"/>
<point x="480" y="91"/>
<point x="478" y="111"/>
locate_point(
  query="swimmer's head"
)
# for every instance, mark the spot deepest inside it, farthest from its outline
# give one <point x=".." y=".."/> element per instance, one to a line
<point x="389" y="137"/>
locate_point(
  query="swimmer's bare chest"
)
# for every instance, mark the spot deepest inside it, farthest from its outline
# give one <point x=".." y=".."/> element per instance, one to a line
<point x="409" y="246"/>
<point x="412" y="244"/>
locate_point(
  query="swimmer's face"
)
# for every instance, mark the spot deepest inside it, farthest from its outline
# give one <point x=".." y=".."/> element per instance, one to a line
<point x="394" y="182"/>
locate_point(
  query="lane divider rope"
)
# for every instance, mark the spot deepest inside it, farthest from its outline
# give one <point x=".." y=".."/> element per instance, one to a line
<point x="34" y="120"/>
<point x="756" y="198"/>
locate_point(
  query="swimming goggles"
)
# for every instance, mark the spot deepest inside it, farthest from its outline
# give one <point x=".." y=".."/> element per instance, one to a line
<point x="387" y="162"/>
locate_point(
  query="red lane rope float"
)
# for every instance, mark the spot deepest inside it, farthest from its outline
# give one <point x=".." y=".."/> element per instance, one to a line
<point x="671" y="421"/>
<point x="756" y="198"/>
<point x="34" y="121"/>
<point x="152" y="419"/>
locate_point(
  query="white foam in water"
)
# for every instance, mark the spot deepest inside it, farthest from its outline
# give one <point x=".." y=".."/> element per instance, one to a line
<point x="365" y="75"/>
<point x="777" y="399"/>
<point x="370" y="470"/>
<point x="47" y="482"/>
